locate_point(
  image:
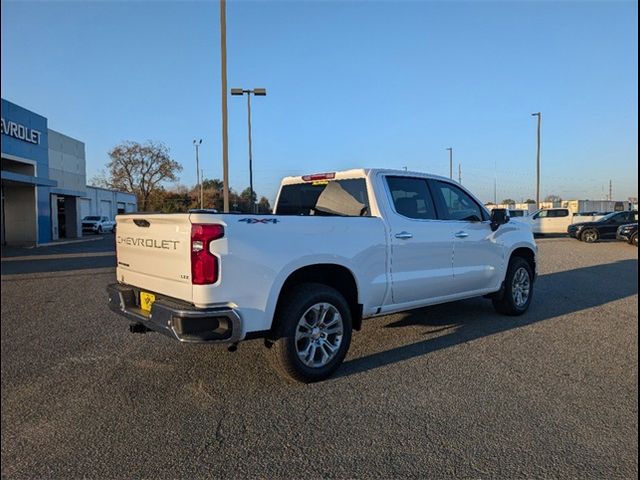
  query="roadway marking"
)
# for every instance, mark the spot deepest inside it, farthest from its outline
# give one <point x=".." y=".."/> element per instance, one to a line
<point x="58" y="274"/>
<point x="58" y="256"/>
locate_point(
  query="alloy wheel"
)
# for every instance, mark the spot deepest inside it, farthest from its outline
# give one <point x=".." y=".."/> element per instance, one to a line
<point x="521" y="287"/>
<point x="318" y="335"/>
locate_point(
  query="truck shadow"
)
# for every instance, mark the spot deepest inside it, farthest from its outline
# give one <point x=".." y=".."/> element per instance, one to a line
<point x="555" y="294"/>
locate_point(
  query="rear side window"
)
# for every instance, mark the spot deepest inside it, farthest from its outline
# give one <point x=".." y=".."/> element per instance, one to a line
<point x="411" y="197"/>
<point x="558" y="213"/>
<point x="325" y="198"/>
<point x="455" y="204"/>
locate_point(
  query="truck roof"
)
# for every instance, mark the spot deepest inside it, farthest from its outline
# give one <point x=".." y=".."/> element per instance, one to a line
<point x="358" y="173"/>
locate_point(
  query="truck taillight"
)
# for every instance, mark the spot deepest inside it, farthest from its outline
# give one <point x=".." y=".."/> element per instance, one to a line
<point x="204" y="264"/>
<point x="319" y="176"/>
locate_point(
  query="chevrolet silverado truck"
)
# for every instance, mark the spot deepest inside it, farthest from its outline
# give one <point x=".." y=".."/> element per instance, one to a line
<point x="339" y="248"/>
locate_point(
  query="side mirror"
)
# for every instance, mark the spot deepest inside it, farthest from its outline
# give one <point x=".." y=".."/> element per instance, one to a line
<point x="499" y="216"/>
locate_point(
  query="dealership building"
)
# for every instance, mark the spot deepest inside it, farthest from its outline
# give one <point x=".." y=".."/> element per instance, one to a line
<point x="43" y="182"/>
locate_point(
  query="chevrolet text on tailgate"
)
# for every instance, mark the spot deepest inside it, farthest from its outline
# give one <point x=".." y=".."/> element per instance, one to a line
<point x="339" y="248"/>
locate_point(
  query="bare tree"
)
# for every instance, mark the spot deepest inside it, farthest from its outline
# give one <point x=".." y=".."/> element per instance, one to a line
<point x="140" y="169"/>
<point x="553" y="198"/>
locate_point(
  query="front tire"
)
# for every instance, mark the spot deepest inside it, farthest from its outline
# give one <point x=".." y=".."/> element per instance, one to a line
<point x="312" y="333"/>
<point x="590" y="235"/>
<point x="634" y="240"/>
<point x="518" y="288"/>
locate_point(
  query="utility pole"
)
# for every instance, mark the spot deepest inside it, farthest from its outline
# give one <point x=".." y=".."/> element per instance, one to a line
<point x="197" y="143"/>
<point x="450" y="162"/>
<point x="225" y="129"/>
<point x="459" y="173"/>
<point x="539" y="115"/>
<point x="610" y="190"/>
<point x="495" y="183"/>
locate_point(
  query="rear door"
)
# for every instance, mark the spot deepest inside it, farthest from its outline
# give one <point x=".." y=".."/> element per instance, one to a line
<point x="477" y="256"/>
<point x="421" y="246"/>
<point x="558" y="221"/>
<point x="154" y="253"/>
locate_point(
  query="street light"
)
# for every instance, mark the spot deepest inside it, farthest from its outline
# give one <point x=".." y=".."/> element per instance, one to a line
<point x="197" y="143"/>
<point x="260" y="92"/>
<point x="539" y="115"/>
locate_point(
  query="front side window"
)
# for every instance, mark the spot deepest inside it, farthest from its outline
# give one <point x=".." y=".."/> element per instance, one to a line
<point x="411" y="197"/>
<point x="455" y="204"/>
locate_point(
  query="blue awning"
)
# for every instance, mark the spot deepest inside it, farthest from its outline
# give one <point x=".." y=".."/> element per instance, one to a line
<point x="26" y="179"/>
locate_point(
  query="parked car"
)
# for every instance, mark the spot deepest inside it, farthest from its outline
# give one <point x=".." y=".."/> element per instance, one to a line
<point x="554" y="220"/>
<point x="606" y="227"/>
<point x="340" y="247"/>
<point x="98" y="224"/>
<point x="628" y="233"/>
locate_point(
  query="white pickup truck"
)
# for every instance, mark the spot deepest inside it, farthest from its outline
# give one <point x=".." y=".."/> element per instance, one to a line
<point x="98" y="224"/>
<point x="557" y="220"/>
<point x="340" y="247"/>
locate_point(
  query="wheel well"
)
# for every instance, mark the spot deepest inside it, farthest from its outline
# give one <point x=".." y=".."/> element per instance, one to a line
<point x="335" y="276"/>
<point x="527" y="254"/>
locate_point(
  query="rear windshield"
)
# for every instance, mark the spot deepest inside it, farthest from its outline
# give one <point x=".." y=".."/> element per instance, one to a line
<point x="325" y="198"/>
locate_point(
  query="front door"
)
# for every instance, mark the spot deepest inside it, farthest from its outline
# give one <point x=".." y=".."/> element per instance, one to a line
<point x="477" y="256"/>
<point x="421" y="245"/>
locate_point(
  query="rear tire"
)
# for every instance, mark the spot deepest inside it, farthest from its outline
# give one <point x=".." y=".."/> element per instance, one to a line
<point x="312" y="333"/>
<point x="634" y="240"/>
<point x="518" y="288"/>
<point x="590" y="235"/>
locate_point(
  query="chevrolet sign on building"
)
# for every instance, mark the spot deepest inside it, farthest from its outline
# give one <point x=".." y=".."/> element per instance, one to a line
<point x="43" y="182"/>
<point x="20" y="132"/>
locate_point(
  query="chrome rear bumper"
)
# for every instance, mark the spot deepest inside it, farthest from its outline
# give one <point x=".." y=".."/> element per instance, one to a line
<point x="177" y="319"/>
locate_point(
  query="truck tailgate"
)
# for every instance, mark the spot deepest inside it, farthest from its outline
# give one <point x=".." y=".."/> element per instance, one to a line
<point x="153" y="252"/>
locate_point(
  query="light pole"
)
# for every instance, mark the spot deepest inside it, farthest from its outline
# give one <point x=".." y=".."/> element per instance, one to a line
<point x="539" y="115"/>
<point x="225" y="130"/>
<point x="450" y="162"/>
<point x="197" y="143"/>
<point x="260" y="92"/>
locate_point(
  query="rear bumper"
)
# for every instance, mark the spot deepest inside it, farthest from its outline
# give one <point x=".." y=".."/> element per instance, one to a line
<point x="178" y="320"/>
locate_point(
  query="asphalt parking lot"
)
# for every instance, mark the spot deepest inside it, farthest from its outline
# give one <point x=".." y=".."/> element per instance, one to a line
<point x="453" y="391"/>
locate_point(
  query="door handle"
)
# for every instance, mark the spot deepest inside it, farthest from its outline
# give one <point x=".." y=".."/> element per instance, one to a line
<point x="404" y="235"/>
<point x="462" y="234"/>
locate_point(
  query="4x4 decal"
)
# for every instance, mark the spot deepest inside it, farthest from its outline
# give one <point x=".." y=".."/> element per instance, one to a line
<point x="251" y="221"/>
